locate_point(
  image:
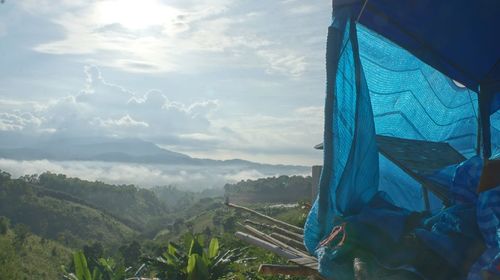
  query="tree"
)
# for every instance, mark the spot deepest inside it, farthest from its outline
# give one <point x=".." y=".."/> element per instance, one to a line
<point x="4" y="225"/>
<point x="131" y="253"/>
<point x="22" y="232"/>
<point x="4" y="176"/>
<point x="93" y="253"/>
<point x="10" y="263"/>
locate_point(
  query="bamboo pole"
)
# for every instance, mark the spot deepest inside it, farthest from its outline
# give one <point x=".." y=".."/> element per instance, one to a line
<point x="287" y="225"/>
<point x="268" y="238"/>
<point x="297" y="237"/>
<point x="265" y="245"/>
<point x="289" y="241"/>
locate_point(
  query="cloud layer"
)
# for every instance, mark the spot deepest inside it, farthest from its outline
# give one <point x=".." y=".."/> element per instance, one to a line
<point x="155" y="36"/>
<point x="187" y="177"/>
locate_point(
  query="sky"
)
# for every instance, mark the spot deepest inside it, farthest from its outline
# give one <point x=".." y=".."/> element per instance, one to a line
<point x="217" y="79"/>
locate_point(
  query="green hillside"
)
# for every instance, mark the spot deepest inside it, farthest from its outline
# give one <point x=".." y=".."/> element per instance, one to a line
<point x="56" y="217"/>
<point x="24" y="255"/>
<point x="50" y="217"/>
<point x="282" y="189"/>
<point x="133" y="206"/>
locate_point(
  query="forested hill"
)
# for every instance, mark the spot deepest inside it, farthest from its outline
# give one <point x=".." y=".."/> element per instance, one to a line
<point x="282" y="189"/>
<point x="75" y="211"/>
<point x="131" y="205"/>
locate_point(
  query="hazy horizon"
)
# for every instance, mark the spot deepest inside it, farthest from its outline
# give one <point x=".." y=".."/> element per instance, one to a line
<point x="185" y="177"/>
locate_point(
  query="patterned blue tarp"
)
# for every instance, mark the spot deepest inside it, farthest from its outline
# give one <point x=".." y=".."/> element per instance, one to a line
<point x="376" y="87"/>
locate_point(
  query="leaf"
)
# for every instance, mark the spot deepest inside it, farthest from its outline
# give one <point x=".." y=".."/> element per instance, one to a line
<point x="81" y="269"/>
<point x="196" y="247"/>
<point x="171" y="259"/>
<point x="119" y="273"/>
<point x="106" y="264"/>
<point x="171" y="249"/>
<point x="96" y="274"/>
<point x="191" y="264"/>
<point x="196" y="268"/>
<point x="213" y="248"/>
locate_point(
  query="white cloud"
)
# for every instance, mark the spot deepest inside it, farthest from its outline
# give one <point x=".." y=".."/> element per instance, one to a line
<point x="274" y="139"/>
<point x="106" y="109"/>
<point x="231" y="74"/>
<point x="103" y="109"/>
<point x="125" y="121"/>
<point x="152" y="36"/>
<point x="304" y="9"/>
<point x="284" y="62"/>
<point x="251" y="174"/>
<point x="17" y="120"/>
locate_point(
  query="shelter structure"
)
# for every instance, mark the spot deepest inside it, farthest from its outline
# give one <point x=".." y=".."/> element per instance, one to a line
<point x="411" y="140"/>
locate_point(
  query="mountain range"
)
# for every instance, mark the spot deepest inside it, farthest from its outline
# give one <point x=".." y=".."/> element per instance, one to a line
<point x="128" y="150"/>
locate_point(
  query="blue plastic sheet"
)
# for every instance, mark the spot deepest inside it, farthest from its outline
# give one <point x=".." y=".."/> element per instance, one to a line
<point x="350" y="173"/>
<point x="375" y="86"/>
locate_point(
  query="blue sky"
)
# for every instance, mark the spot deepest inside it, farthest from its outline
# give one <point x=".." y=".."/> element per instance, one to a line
<point x="219" y="79"/>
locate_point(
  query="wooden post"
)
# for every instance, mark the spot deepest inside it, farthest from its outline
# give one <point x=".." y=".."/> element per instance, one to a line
<point x="316" y="175"/>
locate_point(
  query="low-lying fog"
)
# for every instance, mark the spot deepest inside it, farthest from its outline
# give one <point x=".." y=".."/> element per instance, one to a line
<point x="148" y="175"/>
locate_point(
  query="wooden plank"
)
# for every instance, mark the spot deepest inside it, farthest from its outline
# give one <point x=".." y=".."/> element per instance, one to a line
<point x="265" y="245"/>
<point x="295" y="270"/>
<point x="276" y="221"/>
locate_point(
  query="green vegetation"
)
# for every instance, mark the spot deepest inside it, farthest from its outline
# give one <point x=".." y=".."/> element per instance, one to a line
<point x="282" y="189"/>
<point x="24" y="255"/>
<point x="133" y="206"/>
<point x="106" y="269"/>
<point x="58" y="216"/>
<point x="197" y="262"/>
<point x="113" y="231"/>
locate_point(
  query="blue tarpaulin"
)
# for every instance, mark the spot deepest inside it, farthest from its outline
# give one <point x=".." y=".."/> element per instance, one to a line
<point x="425" y="70"/>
